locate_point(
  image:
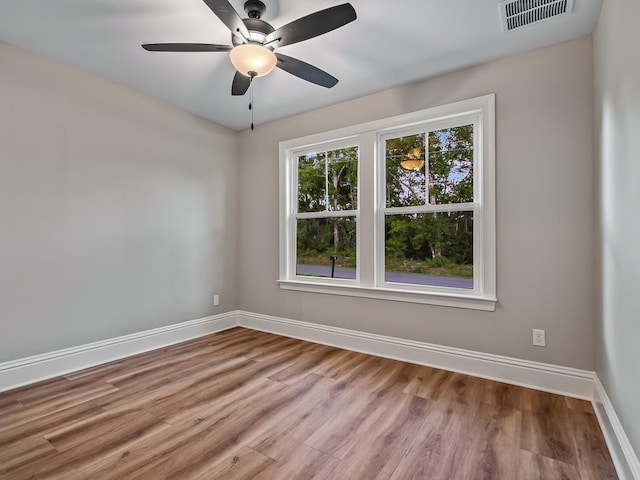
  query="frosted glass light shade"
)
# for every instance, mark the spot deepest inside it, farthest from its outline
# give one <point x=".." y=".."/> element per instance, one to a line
<point x="413" y="160"/>
<point x="412" y="164"/>
<point x="251" y="57"/>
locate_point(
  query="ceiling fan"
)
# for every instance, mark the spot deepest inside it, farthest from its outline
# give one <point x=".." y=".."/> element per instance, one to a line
<point x="254" y="41"/>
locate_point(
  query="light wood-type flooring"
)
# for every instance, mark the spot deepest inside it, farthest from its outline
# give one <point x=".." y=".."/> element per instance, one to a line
<point x="242" y="404"/>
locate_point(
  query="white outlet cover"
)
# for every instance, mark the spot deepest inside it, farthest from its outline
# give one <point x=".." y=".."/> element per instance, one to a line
<point x="539" y="338"/>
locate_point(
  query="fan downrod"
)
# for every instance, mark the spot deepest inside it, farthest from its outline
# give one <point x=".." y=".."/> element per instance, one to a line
<point x="254" y="8"/>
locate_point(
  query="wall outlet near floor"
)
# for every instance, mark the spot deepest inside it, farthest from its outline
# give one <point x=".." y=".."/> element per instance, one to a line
<point x="538" y="338"/>
<point x="216" y="299"/>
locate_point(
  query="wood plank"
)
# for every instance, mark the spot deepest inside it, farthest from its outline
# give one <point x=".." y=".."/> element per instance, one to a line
<point x="339" y="434"/>
<point x="61" y="393"/>
<point x="445" y="435"/>
<point x="108" y="430"/>
<point x="394" y="375"/>
<point x="243" y="346"/>
<point x="366" y="372"/>
<point x="493" y="452"/>
<point x="305" y="365"/>
<point x="218" y="401"/>
<point x="462" y="389"/>
<point x="380" y="450"/>
<point x="537" y="467"/>
<point x="270" y="344"/>
<point x="546" y="427"/>
<point x="301" y="463"/>
<point x="304" y="420"/>
<point x="580" y="405"/>
<point x="243" y="464"/>
<point x="594" y="460"/>
<point x="428" y="382"/>
<point x="11" y="409"/>
<point x="338" y="366"/>
<point x="44" y="424"/>
<point x="12" y="395"/>
<point x="60" y="401"/>
<point x="504" y="395"/>
<point x="22" y="452"/>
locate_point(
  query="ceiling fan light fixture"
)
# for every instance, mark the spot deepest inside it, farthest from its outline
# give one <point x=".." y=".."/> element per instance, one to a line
<point x="413" y="160"/>
<point x="252" y="57"/>
<point x="412" y="164"/>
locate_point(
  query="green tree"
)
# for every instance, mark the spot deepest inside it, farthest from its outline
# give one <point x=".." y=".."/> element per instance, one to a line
<point x="327" y="181"/>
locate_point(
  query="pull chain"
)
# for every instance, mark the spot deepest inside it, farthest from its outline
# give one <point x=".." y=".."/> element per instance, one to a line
<point x="251" y="76"/>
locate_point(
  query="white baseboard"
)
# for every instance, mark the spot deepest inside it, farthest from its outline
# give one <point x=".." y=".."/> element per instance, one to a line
<point x="41" y="367"/>
<point x="541" y="376"/>
<point x="624" y="457"/>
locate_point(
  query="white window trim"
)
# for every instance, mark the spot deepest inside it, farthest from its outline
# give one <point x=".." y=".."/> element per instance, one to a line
<point x="370" y="212"/>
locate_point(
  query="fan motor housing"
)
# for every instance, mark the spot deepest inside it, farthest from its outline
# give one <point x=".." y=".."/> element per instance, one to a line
<point x="254" y="25"/>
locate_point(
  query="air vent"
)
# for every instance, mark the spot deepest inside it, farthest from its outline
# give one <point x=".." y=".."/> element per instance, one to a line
<point x="520" y="13"/>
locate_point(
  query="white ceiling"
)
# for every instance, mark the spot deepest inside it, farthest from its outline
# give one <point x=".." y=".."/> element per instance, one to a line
<point x="391" y="43"/>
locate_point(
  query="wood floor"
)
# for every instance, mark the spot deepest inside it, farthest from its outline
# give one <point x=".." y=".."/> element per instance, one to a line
<point x="243" y="404"/>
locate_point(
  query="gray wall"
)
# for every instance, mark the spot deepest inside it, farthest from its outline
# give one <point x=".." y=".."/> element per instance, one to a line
<point x="617" y="130"/>
<point x="545" y="217"/>
<point x="117" y="212"/>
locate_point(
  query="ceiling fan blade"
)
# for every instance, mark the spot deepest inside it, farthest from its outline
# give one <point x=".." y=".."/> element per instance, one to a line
<point x="225" y="12"/>
<point x="186" y="47"/>
<point x="305" y="71"/>
<point x="240" y="84"/>
<point x="313" y="25"/>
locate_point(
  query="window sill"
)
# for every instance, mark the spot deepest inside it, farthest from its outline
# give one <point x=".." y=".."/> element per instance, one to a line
<point x="431" y="298"/>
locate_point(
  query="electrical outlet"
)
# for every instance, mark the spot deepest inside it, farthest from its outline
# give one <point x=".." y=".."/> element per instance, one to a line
<point x="216" y="299"/>
<point x="538" y="338"/>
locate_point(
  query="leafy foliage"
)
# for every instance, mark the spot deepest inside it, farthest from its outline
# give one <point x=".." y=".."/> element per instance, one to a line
<point x="315" y="236"/>
<point x="328" y="181"/>
<point x="443" y="240"/>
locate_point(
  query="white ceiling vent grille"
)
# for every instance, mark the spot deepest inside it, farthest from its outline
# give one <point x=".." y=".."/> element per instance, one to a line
<point x="520" y="13"/>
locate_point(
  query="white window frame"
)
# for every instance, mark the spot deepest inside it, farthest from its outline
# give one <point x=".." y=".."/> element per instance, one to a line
<point x="295" y="215"/>
<point x="371" y="210"/>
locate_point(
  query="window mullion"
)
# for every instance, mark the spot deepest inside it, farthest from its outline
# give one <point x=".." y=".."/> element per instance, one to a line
<point x="367" y="209"/>
<point x="427" y="169"/>
<point x="326" y="181"/>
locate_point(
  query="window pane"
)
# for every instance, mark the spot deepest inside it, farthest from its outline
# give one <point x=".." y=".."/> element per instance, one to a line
<point x="311" y="183"/>
<point x="342" y="179"/>
<point x="433" y="249"/>
<point x="451" y="165"/>
<point x="321" y="238"/>
<point x="406" y="183"/>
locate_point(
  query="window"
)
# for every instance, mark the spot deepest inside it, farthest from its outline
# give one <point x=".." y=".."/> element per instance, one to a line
<point x="326" y="217"/>
<point x="401" y="209"/>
